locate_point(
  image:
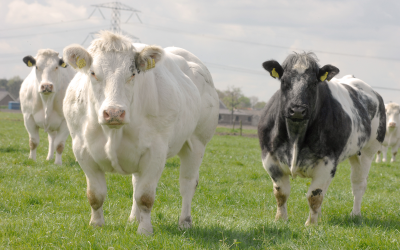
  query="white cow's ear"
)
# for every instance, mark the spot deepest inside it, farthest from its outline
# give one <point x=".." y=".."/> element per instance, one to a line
<point x="148" y="57"/>
<point x="76" y="56"/>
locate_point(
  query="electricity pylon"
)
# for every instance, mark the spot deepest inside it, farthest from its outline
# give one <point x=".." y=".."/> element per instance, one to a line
<point x="116" y="7"/>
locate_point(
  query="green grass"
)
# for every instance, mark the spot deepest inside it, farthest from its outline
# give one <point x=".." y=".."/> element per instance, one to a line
<point x="236" y="131"/>
<point x="43" y="205"/>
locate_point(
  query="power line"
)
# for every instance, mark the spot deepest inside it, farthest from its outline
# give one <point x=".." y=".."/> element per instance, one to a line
<point x="45" y="24"/>
<point x="259" y="44"/>
<point x="47" y="33"/>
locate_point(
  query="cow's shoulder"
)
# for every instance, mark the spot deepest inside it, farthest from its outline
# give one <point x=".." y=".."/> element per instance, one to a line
<point x="75" y="101"/>
<point x="272" y="131"/>
<point x="330" y="126"/>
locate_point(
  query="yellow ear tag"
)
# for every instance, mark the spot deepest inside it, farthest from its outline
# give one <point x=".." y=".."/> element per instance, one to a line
<point x="63" y="65"/>
<point x="80" y="62"/>
<point x="274" y="73"/>
<point x="150" y="64"/>
<point x="29" y="64"/>
<point x="323" y="78"/>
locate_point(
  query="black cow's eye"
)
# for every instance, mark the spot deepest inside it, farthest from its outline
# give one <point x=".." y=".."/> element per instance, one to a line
<point x="133" y="74"/>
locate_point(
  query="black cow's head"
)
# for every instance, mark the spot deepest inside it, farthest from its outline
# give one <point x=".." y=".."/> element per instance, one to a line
<point x="300" y="75"/>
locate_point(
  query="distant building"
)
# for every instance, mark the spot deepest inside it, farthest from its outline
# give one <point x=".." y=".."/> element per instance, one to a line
<point x="248" y="117"/>
<point x="5" y="97"/>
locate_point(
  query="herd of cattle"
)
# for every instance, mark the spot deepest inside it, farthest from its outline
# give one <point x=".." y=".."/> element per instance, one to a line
<point x="128" y="107"/>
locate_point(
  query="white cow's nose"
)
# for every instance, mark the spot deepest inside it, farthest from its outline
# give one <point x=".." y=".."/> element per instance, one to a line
<point x="114" y="116"/>
<point x="46" y="88"/>
<point x="392" y="124"/>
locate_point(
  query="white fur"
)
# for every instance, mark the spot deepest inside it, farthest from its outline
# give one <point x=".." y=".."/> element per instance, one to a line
<point x="170" y="109"/>
<point x="392" y="136"/>
<point x="45" y="111"/>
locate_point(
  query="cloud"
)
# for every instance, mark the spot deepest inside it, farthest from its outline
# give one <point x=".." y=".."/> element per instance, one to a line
<point x="21" y="12"/>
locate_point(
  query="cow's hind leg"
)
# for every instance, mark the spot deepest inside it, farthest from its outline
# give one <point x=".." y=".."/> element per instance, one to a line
<point x="62" y="136"/>
<point x="394" y="153"/>
<point x="33" y="131"/>
<point x="360" y="166"/>
<point x="191" y="156"/>
<point x="51" y="136"/>
<point x="384" y="150"/>
<point x="323" y="174"/>
<point x="281" y="185"/>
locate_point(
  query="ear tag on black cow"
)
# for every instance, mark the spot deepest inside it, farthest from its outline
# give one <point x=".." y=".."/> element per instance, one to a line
<point x="323" y="78"/>
<point x="274" y="74"/>
<point x="29" y="64"/>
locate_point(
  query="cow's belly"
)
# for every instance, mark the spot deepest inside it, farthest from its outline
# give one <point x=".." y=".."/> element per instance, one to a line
<point x="51" y="124"/>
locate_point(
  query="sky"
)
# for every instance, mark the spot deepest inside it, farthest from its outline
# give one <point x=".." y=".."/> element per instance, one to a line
<point x="233" y="38"/>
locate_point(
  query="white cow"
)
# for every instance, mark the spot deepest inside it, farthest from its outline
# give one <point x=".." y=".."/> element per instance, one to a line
<point x="130" y="110"/>
<point x="392" y="137"/>
<point x="41" y="95"/>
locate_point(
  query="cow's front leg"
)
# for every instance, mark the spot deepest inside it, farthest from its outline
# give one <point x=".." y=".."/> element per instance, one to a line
<point x="151" y="167"/>
<point x="62" y="136"/>
<point x="51" y="136"/>
<point x="322" y="176"/>
<point x="96" y="194"/>
<point x="33" y="131"/>
<point x="281" y="185"/>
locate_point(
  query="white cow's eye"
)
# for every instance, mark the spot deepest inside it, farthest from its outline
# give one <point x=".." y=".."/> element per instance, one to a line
<point x="92" y="74"/>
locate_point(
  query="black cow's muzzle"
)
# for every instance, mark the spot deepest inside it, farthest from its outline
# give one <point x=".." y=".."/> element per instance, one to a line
<point x="297" y="112"/>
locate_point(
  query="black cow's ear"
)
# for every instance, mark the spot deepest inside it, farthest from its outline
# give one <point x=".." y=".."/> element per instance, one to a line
<point x="62" y="63"/>
<point x="29" y="61"/>
<point x="327" y="72"/>
<point x="274" y="68"/>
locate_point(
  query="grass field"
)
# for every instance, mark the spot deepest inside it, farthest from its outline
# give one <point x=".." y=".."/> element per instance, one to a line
<point x="44" y="206"/>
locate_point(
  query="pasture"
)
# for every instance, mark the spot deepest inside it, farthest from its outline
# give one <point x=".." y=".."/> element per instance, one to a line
<point x="43" y="205"/>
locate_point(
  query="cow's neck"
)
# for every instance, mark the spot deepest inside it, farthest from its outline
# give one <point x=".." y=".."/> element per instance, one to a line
<point x="296" y="133"/>
<point x="48" y="105"/>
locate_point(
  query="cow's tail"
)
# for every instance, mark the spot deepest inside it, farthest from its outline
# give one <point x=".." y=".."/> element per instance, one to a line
<point x="382" y="119"/>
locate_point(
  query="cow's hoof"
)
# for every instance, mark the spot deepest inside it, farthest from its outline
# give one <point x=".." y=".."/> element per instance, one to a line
<point x="58" y="162"/>
<point x="185" y="223"/>
<point x="355" y="214"/>
<point x="310" y="223"/>
<point x="145" y="230"/>
<point x="98" y="223"/>
<point x="281" y="216"/>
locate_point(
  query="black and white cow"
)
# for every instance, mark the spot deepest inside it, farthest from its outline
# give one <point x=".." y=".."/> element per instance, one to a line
<point x="312" y="123"/>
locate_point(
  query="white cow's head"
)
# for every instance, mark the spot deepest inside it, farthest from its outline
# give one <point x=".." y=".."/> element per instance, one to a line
<point x="47" y="64"/>
<point x="112" y="65"/>
<point x="392" y="115"/>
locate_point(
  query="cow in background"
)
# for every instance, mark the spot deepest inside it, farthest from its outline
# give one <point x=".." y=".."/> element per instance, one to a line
<point x="129" y="108"/>
<point x="312" y="123"/>
<point x="392" y="138"/>
<point x="41" y="94"/>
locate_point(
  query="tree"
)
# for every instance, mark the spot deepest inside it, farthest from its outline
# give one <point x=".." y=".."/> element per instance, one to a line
<point x="13" y="86"/>
<point x="231" y="99"/>
<point x="253" y="101"/>
<point x="260" y="105"/>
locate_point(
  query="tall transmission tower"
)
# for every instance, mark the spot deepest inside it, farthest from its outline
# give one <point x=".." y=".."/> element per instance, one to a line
<point x="116" y="7"/>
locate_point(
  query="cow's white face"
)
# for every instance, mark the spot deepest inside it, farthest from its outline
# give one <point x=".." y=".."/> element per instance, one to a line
<point x="112" y="78"/>
<point x="112" y="74"/>
<point x="47" y="66"/>
<point x="392" y="116"/>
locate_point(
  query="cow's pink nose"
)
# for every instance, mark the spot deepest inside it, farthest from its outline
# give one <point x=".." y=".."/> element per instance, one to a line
<point x="46" y="88"/>
<point x="114" y="116"/>
<point x="392" y="124"/>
